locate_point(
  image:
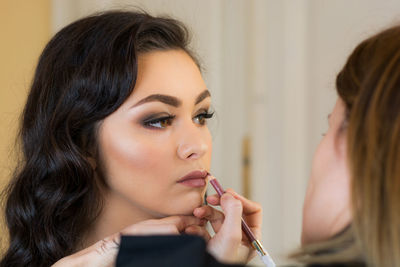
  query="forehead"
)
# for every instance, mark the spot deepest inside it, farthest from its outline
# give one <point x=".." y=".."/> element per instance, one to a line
<point x="171" y="72"/>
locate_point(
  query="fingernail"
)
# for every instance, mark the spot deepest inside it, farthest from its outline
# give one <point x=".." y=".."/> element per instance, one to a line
<point x="197" y="211"/>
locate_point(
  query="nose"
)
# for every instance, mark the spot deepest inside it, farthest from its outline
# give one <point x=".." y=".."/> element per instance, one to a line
<point x="193" y="142"/>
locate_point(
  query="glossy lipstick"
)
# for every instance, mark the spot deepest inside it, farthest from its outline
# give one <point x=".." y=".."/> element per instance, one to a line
<point x="246" y="229"/>
<point x="194" y="179"/>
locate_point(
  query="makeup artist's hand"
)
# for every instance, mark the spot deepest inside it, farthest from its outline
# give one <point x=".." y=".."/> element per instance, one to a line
<point x="229" y="244"/>
<point x="104" y="252"/>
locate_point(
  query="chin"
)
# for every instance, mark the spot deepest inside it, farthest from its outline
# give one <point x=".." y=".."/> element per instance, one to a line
<point x="189" y="204"/>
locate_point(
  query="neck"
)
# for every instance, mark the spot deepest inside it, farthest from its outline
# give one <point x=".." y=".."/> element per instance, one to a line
<point x="117" y="214"/>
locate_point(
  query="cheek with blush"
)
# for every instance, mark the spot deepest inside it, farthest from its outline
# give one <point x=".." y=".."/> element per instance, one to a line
<point x="121" y="154"/>
<point x="130" y="163"/>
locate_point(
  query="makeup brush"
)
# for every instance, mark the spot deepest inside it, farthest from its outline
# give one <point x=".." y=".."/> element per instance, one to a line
<point x="246" y="229"/>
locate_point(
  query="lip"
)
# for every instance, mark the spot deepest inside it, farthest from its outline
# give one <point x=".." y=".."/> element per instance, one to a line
<point x="195" y="178"/>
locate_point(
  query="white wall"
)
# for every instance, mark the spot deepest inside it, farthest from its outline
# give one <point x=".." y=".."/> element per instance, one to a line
<point x="271" y="67"/>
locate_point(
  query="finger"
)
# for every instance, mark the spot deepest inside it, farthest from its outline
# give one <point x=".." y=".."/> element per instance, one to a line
<point x="231" y="228"/>
<point x="252" y="212"/>
<point x="209" y="213"/>
<point x="249" y="207"/>
<point x="213" y="199"/>
<point x="215" y="217"/>
<point x="199" y="231"/>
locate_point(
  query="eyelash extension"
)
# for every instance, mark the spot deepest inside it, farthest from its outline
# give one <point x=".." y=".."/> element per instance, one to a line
<point x="206" y="115"/>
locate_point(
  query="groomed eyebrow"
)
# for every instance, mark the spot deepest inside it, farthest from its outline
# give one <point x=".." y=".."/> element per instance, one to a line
<point x="167" y="99"/>
<point x="171" y="100"/>
<point x="202" y="96"/>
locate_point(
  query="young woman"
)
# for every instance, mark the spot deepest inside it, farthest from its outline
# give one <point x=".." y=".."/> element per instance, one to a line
<point x="114" y="140"/>
<point x="352" y="207"/>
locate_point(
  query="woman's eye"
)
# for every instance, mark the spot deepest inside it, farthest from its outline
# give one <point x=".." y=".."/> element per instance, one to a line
<point x="203" y="117"/>
<point x="159" y="123"/>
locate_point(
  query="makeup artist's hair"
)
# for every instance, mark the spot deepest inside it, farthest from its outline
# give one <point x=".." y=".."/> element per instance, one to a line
<point x="369" y="85"/>
<point x="85" y="73"/>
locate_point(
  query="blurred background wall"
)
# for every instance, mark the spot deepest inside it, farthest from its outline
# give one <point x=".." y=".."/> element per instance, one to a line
<point x="24" y="30"/>
<point x="269" y="64"/>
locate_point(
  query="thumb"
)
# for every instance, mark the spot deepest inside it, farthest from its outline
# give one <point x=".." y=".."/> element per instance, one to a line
<point x="231" y="229"/>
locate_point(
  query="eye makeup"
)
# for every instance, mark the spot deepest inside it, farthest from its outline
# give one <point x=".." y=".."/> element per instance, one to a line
<point x="202" y="117"/>
<point x="157" y="120"/>
<point x="162" y="120"/>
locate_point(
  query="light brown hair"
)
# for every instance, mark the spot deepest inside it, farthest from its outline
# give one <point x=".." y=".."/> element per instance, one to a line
<point x="369" y="85"/>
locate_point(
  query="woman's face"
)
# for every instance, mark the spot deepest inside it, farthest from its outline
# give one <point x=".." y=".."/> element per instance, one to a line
<point x="326" y="208"/>
<point x="157" y="137"/>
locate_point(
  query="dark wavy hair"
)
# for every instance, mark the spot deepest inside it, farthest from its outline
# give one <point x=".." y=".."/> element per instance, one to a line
<point x="85" y="73"/>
